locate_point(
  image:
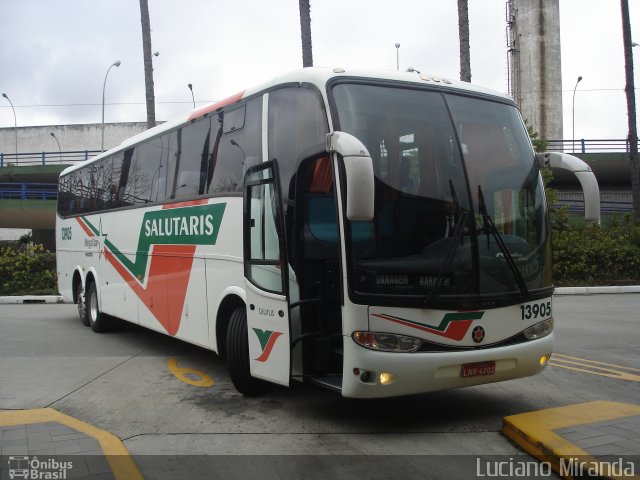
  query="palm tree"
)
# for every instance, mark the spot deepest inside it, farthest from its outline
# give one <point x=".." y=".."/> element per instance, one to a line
<point x="463" y="32"/>
<point x="305" y="31"/>
<point x="631" y="109"/>
<point x="148" y="65"/>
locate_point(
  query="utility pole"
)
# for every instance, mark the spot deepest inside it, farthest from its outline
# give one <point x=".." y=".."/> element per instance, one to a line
<point x="631" y="108"/>
<point x="148" y="63"/>
<point x="305" y="32"/>
<point x="463" y="33"/>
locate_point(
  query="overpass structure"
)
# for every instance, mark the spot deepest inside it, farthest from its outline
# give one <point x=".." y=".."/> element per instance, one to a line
<point x="28" y="183"/>
<point x="31" y="159"/>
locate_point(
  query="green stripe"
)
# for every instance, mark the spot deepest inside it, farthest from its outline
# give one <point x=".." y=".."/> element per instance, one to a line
<point x="156" y="225"/>
<point x="263" y="336"/>
<point x="446" y="320"/>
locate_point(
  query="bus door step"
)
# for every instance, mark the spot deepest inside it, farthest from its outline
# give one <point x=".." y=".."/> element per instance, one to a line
<point x="333" y="382"/>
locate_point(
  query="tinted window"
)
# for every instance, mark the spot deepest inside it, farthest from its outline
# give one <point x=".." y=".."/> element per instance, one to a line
<point x="238" y="148"/>
<point x="64" y="195"/>
<point x="193" y="162"/>
<point x="297" y="127"/>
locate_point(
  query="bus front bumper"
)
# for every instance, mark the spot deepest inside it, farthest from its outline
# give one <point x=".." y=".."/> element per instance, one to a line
<point x="388" y="374"/>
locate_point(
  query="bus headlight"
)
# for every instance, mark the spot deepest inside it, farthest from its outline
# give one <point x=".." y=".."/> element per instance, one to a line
<point x="539" y="330"/>
<point x="387" y="342"/>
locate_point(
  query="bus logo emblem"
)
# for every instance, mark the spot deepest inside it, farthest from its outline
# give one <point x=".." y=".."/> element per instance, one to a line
<point x="478" y="334"/>
<point x="267" y="340"/>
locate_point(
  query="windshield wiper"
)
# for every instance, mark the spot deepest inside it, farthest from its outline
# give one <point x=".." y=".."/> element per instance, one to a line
<point x="491" y="227"/>
<point x="453" y="244"/>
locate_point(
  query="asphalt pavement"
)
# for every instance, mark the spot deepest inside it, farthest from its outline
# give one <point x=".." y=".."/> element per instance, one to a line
<point x="172" y="407"/>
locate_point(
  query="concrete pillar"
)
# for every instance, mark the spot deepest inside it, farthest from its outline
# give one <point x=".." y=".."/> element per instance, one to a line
<point x="535" y="64"/>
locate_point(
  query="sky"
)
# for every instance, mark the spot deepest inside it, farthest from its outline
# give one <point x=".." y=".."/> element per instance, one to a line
<point x="54" y="54"/>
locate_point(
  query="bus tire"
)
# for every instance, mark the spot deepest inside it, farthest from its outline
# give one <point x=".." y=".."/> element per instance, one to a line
<point x="97" y="320"/>
<point x="82" y="307"/>
<point x="238" y="356"/>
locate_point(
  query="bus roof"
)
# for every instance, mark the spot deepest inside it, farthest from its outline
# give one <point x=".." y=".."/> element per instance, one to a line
<point x="318" y="76"/>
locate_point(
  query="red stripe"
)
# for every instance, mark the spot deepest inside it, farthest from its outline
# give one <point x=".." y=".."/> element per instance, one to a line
<point x="212" y="108"/>
<point x="167" y="282"/>
<point x="188" y="203"/>
<point x="455" y="330"/>
<point x="84" y="227"/>
<point x="267" y="350"/>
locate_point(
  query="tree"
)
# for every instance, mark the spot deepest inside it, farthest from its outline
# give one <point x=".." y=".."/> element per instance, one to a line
<point x="631" y="108"/>
<point x="463" y="33"/>
<point x="148" y="65"/>
<point x="305" y="33"/>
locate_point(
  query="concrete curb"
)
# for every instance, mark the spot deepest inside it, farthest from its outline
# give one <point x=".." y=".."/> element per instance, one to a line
<point x="32" y="299"/>
<point x="47" y="421"/>
<point x="596" y="290"/>
<point x="576" y="434"/>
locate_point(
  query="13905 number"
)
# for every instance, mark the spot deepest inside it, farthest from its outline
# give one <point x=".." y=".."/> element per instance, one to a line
<point x="536" y="310"/>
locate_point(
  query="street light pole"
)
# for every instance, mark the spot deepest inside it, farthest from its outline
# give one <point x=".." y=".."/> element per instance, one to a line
<point x="104" y="85"/>
<point x="15" y="122"/>
<point x="59" y="149"/>
<point x="397" y="56"/>
<point x="193" y="99"/>
<point x="634" y="161"/>
<point x="573" y="117"/>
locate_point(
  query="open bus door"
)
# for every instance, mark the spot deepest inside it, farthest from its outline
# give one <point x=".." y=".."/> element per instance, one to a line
<point x="266" y="275"/>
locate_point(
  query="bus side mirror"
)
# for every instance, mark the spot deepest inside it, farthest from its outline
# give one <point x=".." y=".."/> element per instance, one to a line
<point x="543" y="159"/>
<point x="359" y="174"/>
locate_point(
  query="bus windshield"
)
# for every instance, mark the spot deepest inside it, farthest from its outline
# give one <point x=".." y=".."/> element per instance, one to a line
<point x="460" y="213"/>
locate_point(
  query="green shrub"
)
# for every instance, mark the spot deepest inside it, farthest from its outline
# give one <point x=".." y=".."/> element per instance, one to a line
<point x="586" y="254"/>
<point x="27" y="270"/>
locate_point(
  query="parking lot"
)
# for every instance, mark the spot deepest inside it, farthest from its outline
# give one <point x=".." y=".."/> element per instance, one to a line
<point x="163" y="397"/>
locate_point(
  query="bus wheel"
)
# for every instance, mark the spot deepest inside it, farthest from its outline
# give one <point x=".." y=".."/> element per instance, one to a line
<point x="97" y="319"/>
<point x="82" y="307"/>
<point x="238" y="356"/>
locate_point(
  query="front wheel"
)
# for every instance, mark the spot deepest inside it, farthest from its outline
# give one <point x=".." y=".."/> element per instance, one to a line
<point x="238" y="356"/>
<point x="97" y="320"/>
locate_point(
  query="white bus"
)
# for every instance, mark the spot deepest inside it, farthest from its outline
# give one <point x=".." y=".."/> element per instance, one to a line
<point x="378" y="233"/>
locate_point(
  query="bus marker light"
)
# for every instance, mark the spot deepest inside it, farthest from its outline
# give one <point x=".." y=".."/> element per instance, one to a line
<point x="387" y="378"/>
<point x="365" y="376"/>
<point x="545" y="359"/>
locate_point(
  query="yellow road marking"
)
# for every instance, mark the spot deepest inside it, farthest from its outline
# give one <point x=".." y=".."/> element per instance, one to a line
<point x="122" y="465"/>
<point x="534" y="431"/>
<point x="183" y="374"/>
<point x="593" y="367"/>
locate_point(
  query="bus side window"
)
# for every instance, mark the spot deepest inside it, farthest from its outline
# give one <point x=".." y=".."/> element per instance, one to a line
<point x="239" y="147"/>
<point x="111" y="195"/>
<point x="297" y="128"/>
<point x="64" y="196"/>
<point x="192" y="171"/>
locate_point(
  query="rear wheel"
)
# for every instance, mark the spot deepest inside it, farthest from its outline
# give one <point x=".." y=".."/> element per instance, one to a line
<point x="97" y="320"/>
<point x="238" y="356"/>
<point x="82" y="307"/>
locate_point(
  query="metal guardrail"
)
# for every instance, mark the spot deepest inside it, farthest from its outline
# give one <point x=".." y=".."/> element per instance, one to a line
<point x="28" y="191"/>
<point x="588" y="145"/>
<point x="46" y="158"/>
<point x="73" y="157"/>
<point x="610" y="202"/>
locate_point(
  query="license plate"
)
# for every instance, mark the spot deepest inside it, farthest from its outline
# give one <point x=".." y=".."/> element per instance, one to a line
<point x="478" y="369"/>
